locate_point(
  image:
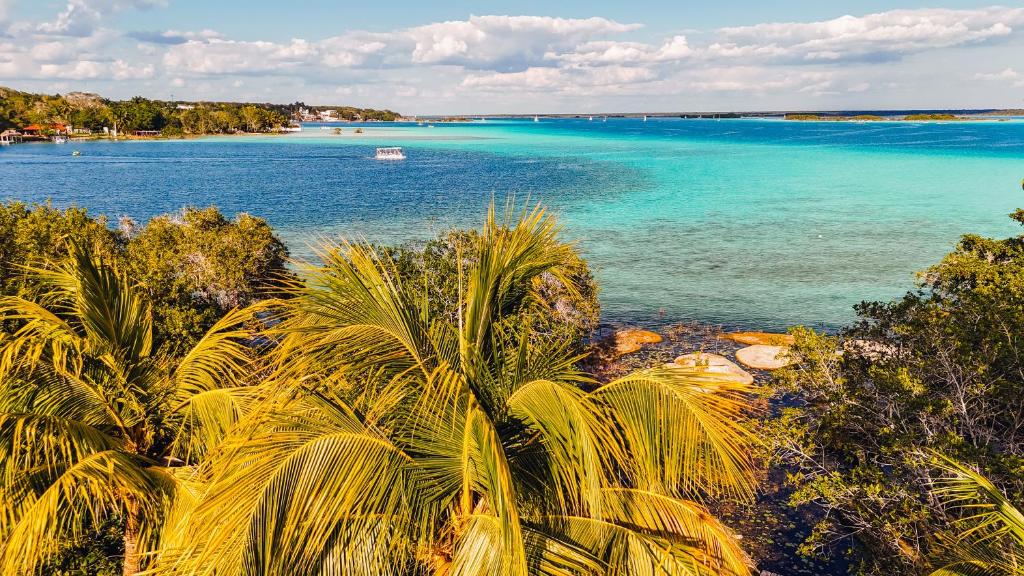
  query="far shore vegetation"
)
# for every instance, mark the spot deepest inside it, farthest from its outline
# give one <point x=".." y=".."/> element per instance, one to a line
<point x="83" y="115"/>
<point x="178" y="397"/>
<point x="876" y="118"/>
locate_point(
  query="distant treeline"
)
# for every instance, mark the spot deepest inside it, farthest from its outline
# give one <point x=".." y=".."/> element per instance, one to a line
<point x="351" y="113"/>
<point x="83" y="111"/>
<point x="871" y="117"/>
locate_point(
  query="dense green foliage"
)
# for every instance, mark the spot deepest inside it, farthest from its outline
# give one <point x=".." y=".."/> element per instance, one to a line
<point x="405" y="437"/>
<point x="931" y="117"/>
<point x="95" y="421"/>
<point x="92" y="112"/>
<point x="384" y="424"/>
<point x="197" y="265"/>
<point x="939" y="371"/>
<point x="193" y="266"/>
<point x="89" y="111"/>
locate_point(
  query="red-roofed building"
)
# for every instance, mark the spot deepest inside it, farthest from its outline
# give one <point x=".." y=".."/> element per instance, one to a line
<point x="37" y="130"/>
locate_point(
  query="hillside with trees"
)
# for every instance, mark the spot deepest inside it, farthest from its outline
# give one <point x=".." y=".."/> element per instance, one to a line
<point x="92" y="113"/>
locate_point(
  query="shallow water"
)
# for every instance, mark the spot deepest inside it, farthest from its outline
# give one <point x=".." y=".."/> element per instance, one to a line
<point x="753" y="223"/>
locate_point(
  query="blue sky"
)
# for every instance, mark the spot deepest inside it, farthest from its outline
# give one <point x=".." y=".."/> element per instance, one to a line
<point x="526" y="56"/>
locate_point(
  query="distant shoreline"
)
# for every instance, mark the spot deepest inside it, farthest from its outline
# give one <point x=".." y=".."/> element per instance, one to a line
<point x="824" y="114"/>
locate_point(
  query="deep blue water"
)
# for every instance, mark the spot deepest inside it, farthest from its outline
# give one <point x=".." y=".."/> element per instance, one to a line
<point x="756" y="223"/>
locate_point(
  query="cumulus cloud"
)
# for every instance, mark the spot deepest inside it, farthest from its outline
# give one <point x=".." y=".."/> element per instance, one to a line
<point x="500" y="43"/>
<point x="875" y="37"/>
<point x="217" y="56"/>
<point x="82" y="17"/>
<point x="498" y="57"/>
<point x="504" y="42"/>
<point x="600" y="53"/>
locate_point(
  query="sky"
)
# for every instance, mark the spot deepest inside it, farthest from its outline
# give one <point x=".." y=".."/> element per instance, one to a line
<point x="528" y="56"/>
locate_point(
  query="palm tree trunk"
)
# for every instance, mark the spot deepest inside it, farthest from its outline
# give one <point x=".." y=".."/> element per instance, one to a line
<point x="132" y="559"/>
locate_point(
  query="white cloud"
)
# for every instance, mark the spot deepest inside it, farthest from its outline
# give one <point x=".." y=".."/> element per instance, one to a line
<point x="1005" y="75"/>
<point x="881" y="36"/>
<point x="82" y="17"/>
<point x="514" y="59"/>
<point x="563" y="80"/>
<point x="504" y="42"/>
<point x="218" y="56"/>
<point x="605" y="52"/>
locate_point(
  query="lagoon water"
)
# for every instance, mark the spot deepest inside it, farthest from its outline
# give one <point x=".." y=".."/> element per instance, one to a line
<point x="750" y="223"/>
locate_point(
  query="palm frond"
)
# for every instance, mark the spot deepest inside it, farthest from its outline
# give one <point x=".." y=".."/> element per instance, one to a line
<point x="579" y="444"/>
<point x="310" y="460"/>
<point x="990" y="537"/>
<point x="88" y="491"/>
<point x="354" y="313"/>
<point x="46" y="443"/>
<point x="683" y="430"/>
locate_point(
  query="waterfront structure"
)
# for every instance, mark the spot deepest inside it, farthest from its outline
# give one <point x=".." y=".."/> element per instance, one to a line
<point x="8" y="137"/>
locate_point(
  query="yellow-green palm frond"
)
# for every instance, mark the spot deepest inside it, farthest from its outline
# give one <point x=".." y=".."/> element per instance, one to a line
<point x="509" y="257"/>
<point x="489" y="488"/>
<point x="990" y="532"/>
<point x="40" y="333"/>
<point x="683" y="431"/>
<point x="45" y="444"/>
<point x="519" y="356"/>
<point x="50" y="510"/>
<point x="303" y="482"/>
<point x="90" y="336"/>
<point x="989" y="509"/>
<point x="354" y="313"/>
<point x="46" y="391"/>
<point x="220" y="359"/>
<point x="104" y="303"/>
<point x="673" y="521"/>
<point x="648" y="534"/>
<point x="209" y="392"/>
<point x="578" y="444"/>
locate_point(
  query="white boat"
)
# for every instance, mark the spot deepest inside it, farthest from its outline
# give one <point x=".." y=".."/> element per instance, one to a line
<point x="394" y="153"/>
<point x="536" y="118"/>
<point x="59" y="139"/>
<point x="591" y="118"/>
<point x="292" y="128"/>
<point x="645" y="117"/>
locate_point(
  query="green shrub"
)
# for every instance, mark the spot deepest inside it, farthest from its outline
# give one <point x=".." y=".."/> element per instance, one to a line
<point x="940" y="370"/>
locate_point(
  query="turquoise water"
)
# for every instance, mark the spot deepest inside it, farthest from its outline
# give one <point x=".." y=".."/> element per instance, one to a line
<point x="752" y="223"/>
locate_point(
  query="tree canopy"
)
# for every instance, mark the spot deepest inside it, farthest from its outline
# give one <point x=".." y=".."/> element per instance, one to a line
<point x="938" y="371"/>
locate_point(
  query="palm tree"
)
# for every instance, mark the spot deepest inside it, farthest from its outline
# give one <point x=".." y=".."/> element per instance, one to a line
<point x="991" y="537"/>
<point x="389" y="441"/>
<point x="94" y="423"/>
